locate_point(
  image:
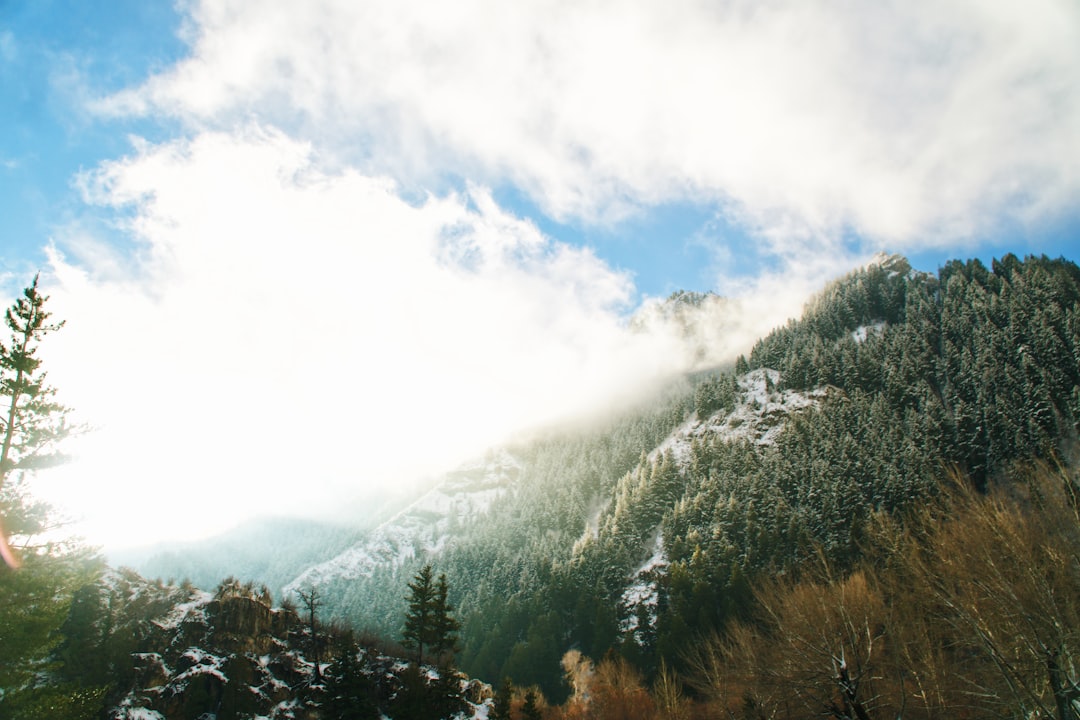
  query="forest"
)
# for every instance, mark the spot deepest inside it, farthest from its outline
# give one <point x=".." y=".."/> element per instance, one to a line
<point x="901" y="538"/>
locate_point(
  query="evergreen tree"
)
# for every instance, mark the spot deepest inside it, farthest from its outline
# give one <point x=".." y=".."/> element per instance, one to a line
<point x="444" y="626"/>
<point x="33" y="423"/>
<point x="500" y="706"/>
<point x="419" y="618"/>
<point x="39" y="578"/>
<point x="530" y="709"/>
<point x="349" y="693"/>
<point x="422" y="698"/>
<point x="429" y="621"/>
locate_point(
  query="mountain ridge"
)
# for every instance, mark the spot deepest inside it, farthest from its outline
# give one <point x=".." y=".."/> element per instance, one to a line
<point x="641" y="535"/>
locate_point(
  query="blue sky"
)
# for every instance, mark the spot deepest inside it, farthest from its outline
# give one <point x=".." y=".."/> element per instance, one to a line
<point x="464" y="204"/>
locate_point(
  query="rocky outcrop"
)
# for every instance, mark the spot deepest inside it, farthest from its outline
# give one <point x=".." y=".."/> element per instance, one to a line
<point x="178" y="653"/>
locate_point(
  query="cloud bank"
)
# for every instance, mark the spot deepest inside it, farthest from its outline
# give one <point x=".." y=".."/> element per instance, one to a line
<point x="285" y="338"/>
<point x="910" y="123"/>
<point x="321" y="294"/>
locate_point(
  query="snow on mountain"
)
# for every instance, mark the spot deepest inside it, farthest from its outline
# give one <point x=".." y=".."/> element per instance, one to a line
<point x="461" y="497"/>
<point x="643" y="594"/>
<point x="759" y="415"/>
<point x="862" y="332"/>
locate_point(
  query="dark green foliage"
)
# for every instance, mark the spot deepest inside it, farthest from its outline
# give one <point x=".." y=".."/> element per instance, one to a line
<point x="350" y="693"/>
<point x="420" y="697"/>
<point x="530" y="709"/>
<point x="973" y="371"/>
<point x="34" y="601"/>
<point x="418" y="619"/>
<point x="411" y="702"/>
<point x="901" y="410"/>
<point x="914" y="376"/>
<point x="714" y="394"/>
<point x="183" y="653"/>
<point x="51" y="701"/>
<point x="108" y="621"/>
<point x="32" y="422"/>
<point x="444" y="627"/>
<point x="429" y="621"/>
<point x="34" y="598"/>
<point x="504" y="696"/>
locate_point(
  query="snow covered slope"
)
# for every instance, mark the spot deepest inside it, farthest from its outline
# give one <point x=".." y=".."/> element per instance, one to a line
<point x="759" y="415"/>
<point x="423" y="528"/>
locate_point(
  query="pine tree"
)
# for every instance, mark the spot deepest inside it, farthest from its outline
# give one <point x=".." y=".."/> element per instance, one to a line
<point x="349" y="693"/>
<point x="429" y="622"/>
<point x="444" y="627"/>
<point x="500" y="706"/>
<point x="418" y="618"/>
<point x="530" y="710"/>
<point x="38" y="581"/>
<point x="741" y="366"/>
<point x="33" y="422"/>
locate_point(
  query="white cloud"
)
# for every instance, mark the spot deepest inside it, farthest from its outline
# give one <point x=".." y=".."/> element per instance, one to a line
<point x="289" y="327"/>
<point x="286" y="337"/>
<point x="912" y="123"/>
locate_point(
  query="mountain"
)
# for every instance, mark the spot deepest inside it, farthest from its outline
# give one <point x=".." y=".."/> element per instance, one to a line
<point x="890" y="384"/>
<point x="267" y="551"/>
<point x="422" y="529"/>
<point x="642" y="534"/>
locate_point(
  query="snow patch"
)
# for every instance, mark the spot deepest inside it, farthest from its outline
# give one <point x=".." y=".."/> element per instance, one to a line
<point x="204" y="663"/>
<point x="180" y="613"/>
<point x="644" y="592"/>
<point x="759" y="416"/>
<point x="862" y="332"/>
<point x="425" y="527"/>
<point x="137" y="713"/>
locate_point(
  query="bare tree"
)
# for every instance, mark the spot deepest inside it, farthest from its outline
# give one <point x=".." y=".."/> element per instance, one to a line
<point x="312" y="601"/>
<point x="1004" y="578"/>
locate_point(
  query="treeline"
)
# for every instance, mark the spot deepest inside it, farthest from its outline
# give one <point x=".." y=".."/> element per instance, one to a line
<point x="991" y="354"/>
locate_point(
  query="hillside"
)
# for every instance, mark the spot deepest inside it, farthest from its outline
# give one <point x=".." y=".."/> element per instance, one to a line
<point x="242" y="552"/>
<point x="646" y="531"/>
<point x="707" y="508"/>
<point x="891" y="382"/>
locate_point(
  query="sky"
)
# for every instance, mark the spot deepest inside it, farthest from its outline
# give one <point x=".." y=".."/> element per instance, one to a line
<point x="309" y="253"/>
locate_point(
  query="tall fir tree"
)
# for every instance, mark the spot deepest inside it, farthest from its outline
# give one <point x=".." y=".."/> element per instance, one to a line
<point x="502" y="702"/>
<point x="429" y="621"/>
<point x="37" y="578"/>
<point x="418" y="618"/>
<point x="33" y="423"/>
<point x="444" y="627"/>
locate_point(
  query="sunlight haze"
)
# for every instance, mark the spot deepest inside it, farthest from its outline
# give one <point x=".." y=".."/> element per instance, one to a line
<point x="305" y="250"/>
